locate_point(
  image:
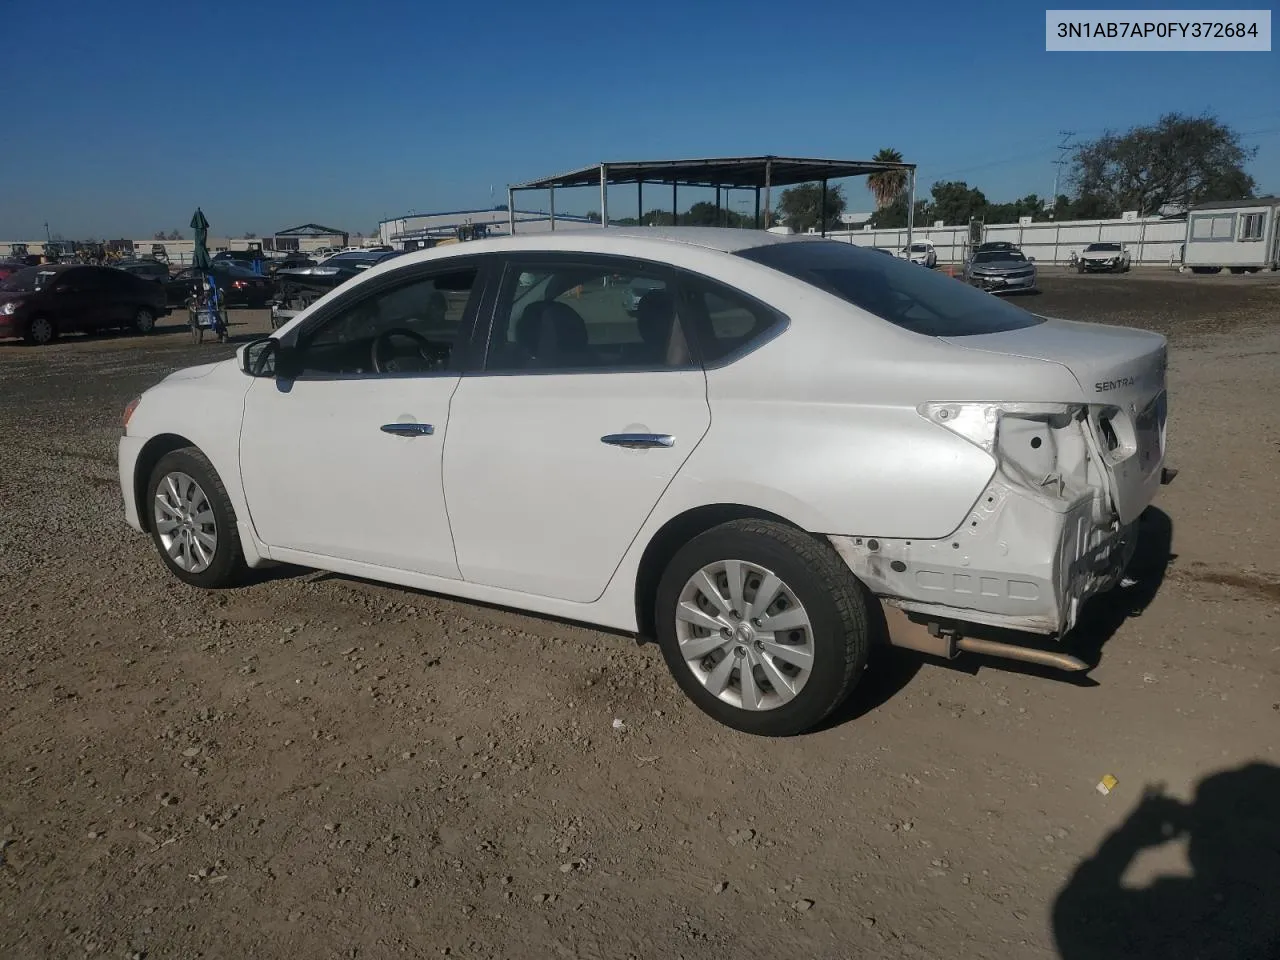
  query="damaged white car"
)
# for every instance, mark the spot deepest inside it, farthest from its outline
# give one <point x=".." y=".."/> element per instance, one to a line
<point x="783" y="445"/>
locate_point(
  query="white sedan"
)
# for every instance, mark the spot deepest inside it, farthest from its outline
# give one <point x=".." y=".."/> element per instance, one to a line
<point x="789" y="450"/>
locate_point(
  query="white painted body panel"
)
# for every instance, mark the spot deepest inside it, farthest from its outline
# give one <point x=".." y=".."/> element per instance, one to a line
<point x="820" y="426"/>
<point x="321" y="477"/>
<point x="538" y="502"/>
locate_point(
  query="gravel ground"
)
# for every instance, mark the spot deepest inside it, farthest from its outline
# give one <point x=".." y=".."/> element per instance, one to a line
<point x="314" y="766"/>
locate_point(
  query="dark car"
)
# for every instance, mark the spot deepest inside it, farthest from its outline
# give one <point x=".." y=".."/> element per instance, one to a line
<point x="39" y="303"/>
<point x="292" y="261"/>
<point x="245" y="258"/>
<point x="334" y="271"/>
<point x="239" y="286"/>
<point x="9" y="267"/>
<point x="145" y="268"/>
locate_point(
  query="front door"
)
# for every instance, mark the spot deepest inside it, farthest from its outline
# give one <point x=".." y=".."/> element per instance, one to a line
<point x="340" y="455"/>
<point x="588" y="405"/>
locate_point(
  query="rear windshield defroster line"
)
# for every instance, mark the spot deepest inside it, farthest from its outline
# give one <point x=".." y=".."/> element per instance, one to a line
<point x="905" y="294"/>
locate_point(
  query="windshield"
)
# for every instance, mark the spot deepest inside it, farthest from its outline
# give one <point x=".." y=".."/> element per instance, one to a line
<point x="1102" y="248"/>
<point x="995" y="256"/>
<point x="30" y="280"/>
<point x="919" y="248"/>
<point x="902" y="293"/>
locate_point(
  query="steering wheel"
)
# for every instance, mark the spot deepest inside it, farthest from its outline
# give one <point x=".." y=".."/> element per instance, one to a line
<point x="429" y="352"/>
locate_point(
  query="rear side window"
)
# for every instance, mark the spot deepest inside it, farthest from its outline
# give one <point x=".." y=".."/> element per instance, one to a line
<point x="905" y="294"/>
<point x="723" y="322"/>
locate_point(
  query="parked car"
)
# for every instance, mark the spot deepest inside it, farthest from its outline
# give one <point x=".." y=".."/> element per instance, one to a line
<point x="145" y="268"/>
<point x="245" y="258"/>
<point x="1108" y="257"/>
<point x="239" y="286"/>
<point x="993" y="246"/>
<point x="292" y="261"/>
<point x="819" y="440"/>
<point x="1001" y="271"/>
<point x="9" y="267"/>
<point x="41" y="303"/>
<point x="335" y="270"/>
<point x="922" y="253"/>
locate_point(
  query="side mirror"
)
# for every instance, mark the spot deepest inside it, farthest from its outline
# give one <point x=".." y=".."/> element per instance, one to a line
<point x="260" y="358"/>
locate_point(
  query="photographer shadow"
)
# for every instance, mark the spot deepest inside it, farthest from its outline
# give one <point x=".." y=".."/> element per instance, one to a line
<point x="1228" y="908"/>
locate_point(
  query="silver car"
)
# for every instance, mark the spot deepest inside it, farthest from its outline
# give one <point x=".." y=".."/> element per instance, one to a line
<point x="1000" y="271"/>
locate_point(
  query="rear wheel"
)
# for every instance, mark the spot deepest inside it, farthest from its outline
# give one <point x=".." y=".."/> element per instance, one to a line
<point x="762" y="626"/>
<point x="40" y="330"/>
<point x="193" y="523"/>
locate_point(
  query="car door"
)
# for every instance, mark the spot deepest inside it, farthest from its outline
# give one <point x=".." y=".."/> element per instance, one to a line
<point x="119" y="300"/>
<point x="76" y="299"/>
<point x="340" y="454"/>
<point x="561" y="447"/>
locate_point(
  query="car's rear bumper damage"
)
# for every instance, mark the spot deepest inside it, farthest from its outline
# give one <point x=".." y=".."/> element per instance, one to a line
<point x="1024" y="560"/>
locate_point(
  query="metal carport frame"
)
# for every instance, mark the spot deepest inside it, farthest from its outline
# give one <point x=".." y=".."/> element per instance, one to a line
<point x="720" y="173"/>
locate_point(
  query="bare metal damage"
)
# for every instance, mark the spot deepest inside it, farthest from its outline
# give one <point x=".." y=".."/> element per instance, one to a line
<point x="1041" y="539"/>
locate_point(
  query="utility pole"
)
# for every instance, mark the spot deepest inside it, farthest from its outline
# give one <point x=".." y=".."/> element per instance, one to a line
<point x="1064" y="148"/>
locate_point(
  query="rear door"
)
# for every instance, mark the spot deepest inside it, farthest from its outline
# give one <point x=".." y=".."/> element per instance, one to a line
<point x="76" y="299"/>
<point x="561" y="447"/>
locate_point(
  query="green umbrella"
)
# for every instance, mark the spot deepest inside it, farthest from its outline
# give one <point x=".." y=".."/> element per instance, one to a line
<point x="200" y="256"/>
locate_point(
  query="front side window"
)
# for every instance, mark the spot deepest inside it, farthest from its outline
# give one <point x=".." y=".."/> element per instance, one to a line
<point x="588" y="317"/>
<point x="893" y="290"/>
<point x="410" y="328"/>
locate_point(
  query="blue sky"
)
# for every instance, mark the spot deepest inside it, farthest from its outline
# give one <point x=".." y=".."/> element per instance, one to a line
<point x="346" y="113"/>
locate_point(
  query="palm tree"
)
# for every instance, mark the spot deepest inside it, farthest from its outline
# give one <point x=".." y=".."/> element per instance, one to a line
<point x="888" y="184"/>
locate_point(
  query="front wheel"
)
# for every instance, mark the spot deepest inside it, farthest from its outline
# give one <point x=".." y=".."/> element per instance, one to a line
<point x="144" y="321"/>
<point x="193" y="522"/>
<point x="762" y="626"/>
<point x="41" y="331"/>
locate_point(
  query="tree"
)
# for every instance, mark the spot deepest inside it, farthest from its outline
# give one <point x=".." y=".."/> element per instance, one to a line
<point x="887" y="185"/>
<point x="798" y="207"/>
<point x="1179" y="160"/>
<point x="955" y="203"/>
<point x="895" y="215"/>
<point x="158" y="235"/>
<point x="250" y="235"/>
<point x="174" y="235"/>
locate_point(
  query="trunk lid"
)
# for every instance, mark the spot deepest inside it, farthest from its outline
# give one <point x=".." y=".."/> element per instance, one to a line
<point x="1121" y="373"/>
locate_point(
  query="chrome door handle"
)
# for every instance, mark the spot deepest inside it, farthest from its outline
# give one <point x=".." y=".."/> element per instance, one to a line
<point x="409" y="429"/>
<point x="639" y="441"/>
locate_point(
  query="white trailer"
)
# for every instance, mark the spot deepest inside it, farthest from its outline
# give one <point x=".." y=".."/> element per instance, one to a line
<point x="1241" y="235"/>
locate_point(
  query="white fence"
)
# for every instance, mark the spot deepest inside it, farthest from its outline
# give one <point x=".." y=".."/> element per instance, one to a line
<point x="1149" y="240"/>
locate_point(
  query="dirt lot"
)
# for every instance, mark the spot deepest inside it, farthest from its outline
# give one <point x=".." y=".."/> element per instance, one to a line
<point x="316" y="767"/>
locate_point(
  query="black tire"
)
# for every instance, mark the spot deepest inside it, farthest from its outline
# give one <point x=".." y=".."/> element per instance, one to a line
<point x="1079" y="268"/>
<point x="40" y="331"/>
<point x="226" y="567"/>
<point x="832" y="597"/>
<point x="144" y="321"/>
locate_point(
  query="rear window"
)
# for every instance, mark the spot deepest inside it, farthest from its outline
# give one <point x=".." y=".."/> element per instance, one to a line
<point x="905" y="294"/>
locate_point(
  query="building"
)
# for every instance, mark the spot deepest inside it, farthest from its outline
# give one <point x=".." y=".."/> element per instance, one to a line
<point x="1238" y="234"/>
<point x="304" y="238"/>
<point x="416" y="230"/>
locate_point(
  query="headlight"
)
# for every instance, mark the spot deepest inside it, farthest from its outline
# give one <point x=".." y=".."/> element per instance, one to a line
<point x="8" y="309"/>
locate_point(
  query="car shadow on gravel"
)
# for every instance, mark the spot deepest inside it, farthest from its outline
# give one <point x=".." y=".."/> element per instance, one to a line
<point x="1225" y="908"/>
